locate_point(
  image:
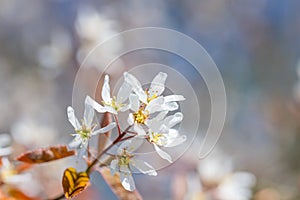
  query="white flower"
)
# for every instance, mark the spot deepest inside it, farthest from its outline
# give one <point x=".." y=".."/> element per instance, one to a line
<point x="141" y="112"/>
<point x="5" y="148"/>
<point x="215" y="167"/>
<point x="85" y="130"/>
<point x="9" y="175"/>
<point x="112" y="104"/>
<point x="236" y="186"/>
<point x="126" y="164"/>
<point x="157" y="87"/>
<point x="161" y="134"/>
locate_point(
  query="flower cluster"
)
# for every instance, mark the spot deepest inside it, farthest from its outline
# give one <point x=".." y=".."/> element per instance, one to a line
<point x="147" y="120"/>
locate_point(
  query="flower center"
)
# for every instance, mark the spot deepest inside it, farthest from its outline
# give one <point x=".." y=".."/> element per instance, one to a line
<point x="114" y="104"/>
<point x="157" y="138"/>
<point x="85" y="132"/>
<point x="140" y="116"/>
<point x="124" y="159"/>
<point x="150" y="98"/>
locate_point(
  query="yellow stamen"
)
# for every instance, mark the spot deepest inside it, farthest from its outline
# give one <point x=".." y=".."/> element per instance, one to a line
<point x="140" y="116"/>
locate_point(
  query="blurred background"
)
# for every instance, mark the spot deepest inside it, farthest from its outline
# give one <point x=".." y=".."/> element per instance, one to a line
<point x="255" y="45"/>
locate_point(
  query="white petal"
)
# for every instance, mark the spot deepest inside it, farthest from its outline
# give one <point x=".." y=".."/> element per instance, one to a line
<point x="124" y="92"/>
<point x="130" y="145"/>
<point x="88" y="113"/>
<point x="136" y="86"/>
<point x="18" y="178"/>
<point x="124" y="169"/>
<point x="172" y="120"/>
<point x="162" y="154"/>
<point x="244" y="179"/>
<point x="5" y="139"/>
<point x="82" y="150"/>
<point x="158" y="84"/>
<point x="113" y="166"/>
<point x="143" y="167"/>
<point x="5" y="151"/>
<point x="105" y="129"/>
<point x="134" y="102"/>
<point x="106" y="90"/>
<point x="75" y="143"/>
<point x="95" y="105"/>
<point x="130" y="119"/>
<point x="110" y="110"/>
<point x="127" y="181"/>
<point x="125" y="108"/>
<point x="170" y="106"/>
<point x="155" y="105"/>
<point x="174" y="98"/>
<point x="139" y="129"/>
<point x="72" y="118"/>
<point x="176" y="141"/>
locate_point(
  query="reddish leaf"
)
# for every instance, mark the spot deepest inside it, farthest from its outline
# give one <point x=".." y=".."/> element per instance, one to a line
<point x="74" y="182"/>
<point x="116" y="186"/>
<point x="45" y="154"/>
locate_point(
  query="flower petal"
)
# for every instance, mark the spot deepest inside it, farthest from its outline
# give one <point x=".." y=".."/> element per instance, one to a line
<point x="155" y="105"/>
<point x="171" y="98"/>
<point x="82" y="150"/>
<point x="158" y="84"/>
<point x="125" y="169"/>
<point x="176" y="141"/>
<point x="99" y="108"/>
<point x="162" y="154"/>
<point x="124" y="92"/>
<point x="172" y="120"/>
<point x="88" y="113"/>
<point x="136" y="86"/>
<point x="113" y="166"/>
<point x="124" y="108"/>
<point x="143" y="167"/>
<point x="134" y="102"/>
<point x="139" y="129"/>
<point x="5" y="139"/>
<point x="75" y="143"/>
<point x="106" y="90"/>
<point x="5" y="151"/>
<point x="111" y="110"/>
<point x="170" y="106"/>
<point x="130" y="145"/>
<point x="127" y="181"/>
<point x="105" y="129"/>
<point x="72" y="118"/>
<point x="130" y="119"/>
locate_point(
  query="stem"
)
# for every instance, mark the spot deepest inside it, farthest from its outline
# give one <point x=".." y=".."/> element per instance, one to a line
<point x="118" y="125"/>
<point x="118" y="139"/>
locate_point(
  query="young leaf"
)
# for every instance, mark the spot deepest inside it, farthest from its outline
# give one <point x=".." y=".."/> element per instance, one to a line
<point x="74" y="182"/>
<point x="116" y="186"/>
<point x="45" y="154"/>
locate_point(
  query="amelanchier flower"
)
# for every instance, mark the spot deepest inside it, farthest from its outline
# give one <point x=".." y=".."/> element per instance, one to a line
<point x="126" y="163"/>
<point x="157" y="87"/>
<point x="86" y="129"/>
<point x="9" y="175"/>
<point x="161" y="133"/>
<point x="5" y="148"/>
<point x="146" y="102"/>
<point x="112" y="104"/>
<point x="236" y="186"/>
